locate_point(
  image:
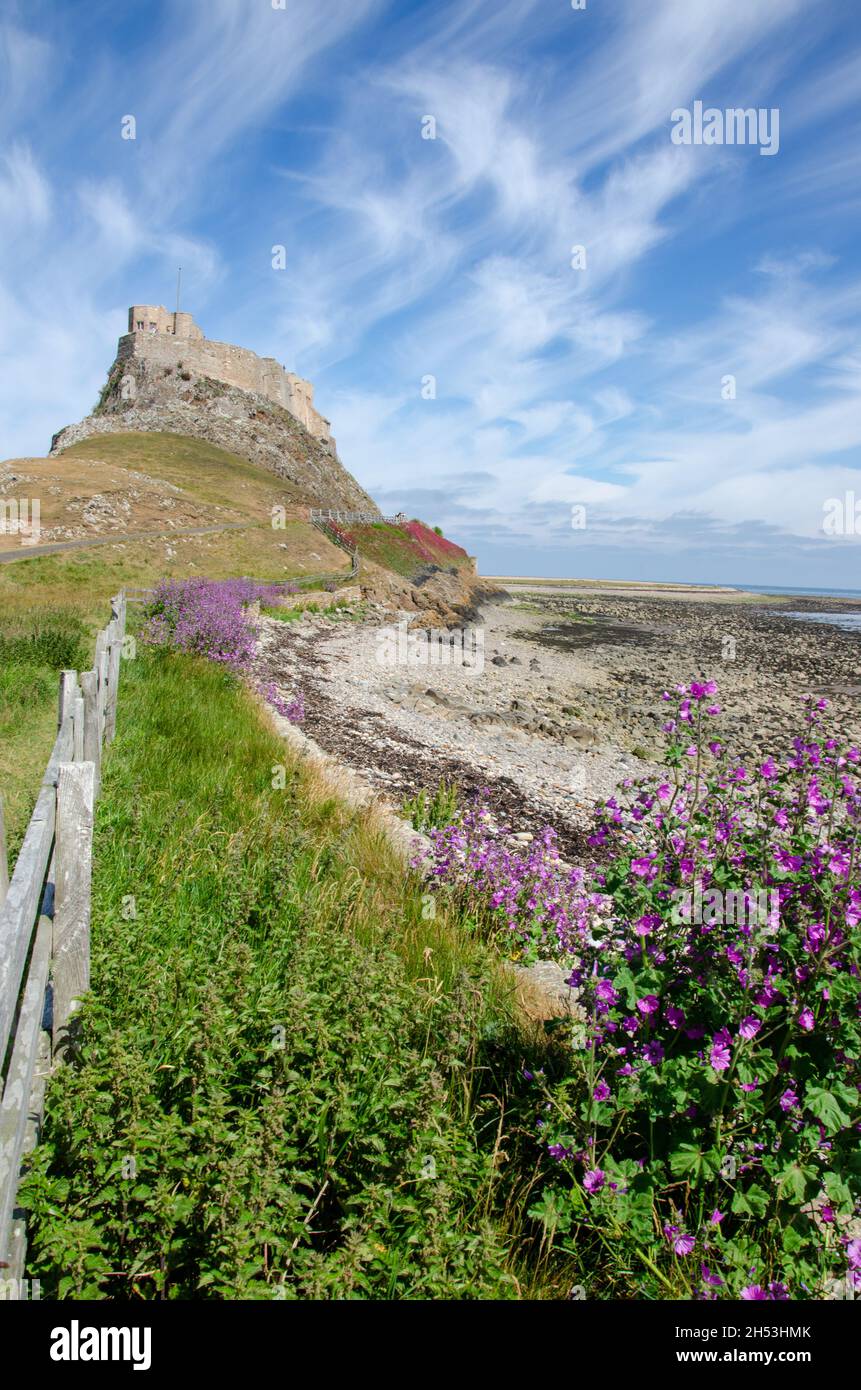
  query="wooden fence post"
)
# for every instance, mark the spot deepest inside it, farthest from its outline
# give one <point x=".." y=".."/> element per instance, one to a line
<point x="92" y="745"/>
<point x="74" y="855"/>
<point x="4" y="858"/>
<point x="78" y="729"/>
<point x="114" y="654"/>
<point x="101" y="666"/>
<point x="15" y="1109"/>
<point x="66" y="699"/>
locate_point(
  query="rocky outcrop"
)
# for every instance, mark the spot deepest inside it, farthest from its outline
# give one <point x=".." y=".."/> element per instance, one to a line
<point x="140" y="397"/>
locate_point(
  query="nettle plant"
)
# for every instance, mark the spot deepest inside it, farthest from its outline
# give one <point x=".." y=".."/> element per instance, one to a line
<point x="703" y="1134"/>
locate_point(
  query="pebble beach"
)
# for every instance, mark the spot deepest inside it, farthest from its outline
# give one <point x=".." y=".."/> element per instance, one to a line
<point x="564" y="702"/>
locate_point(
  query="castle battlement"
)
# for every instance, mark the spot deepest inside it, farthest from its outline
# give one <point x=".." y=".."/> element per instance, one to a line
<point x="165" y="339"/>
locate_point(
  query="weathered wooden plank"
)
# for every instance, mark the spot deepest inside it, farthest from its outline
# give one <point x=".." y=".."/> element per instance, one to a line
<point x="4" y="857"/>
<point x="74" y="855"/>
<point x="66" y="698"/>
<point x="101" y="666"/>
<point x="19" y="911"/>
<point x="32" y="1134"/>
<point x="64" y="746"/>
<point x="15" y="1106"/>
<point x="115" y="652"/>
<point x="78" y="729"/>
<point x="92" y="742"/>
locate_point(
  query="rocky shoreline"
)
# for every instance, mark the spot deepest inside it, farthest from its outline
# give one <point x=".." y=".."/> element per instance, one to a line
<point x="565" y="701"/>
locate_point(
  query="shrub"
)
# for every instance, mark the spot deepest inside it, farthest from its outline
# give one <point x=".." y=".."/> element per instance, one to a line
<point x="206" y="617"/>
<point x="703" y="1133"/>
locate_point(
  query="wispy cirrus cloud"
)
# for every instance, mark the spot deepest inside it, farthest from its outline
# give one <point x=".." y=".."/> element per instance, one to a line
<point x="431" y="290"/>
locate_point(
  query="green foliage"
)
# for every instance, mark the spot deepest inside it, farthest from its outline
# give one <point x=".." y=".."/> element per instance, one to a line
<point x="426" y="812"/>
<point x="38" y="641"/>
<point x="267" y="1101"/>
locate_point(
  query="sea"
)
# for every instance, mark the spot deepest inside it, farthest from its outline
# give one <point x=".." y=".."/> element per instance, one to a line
<point x="802" y="593"/>
<point x="848" y="622"/>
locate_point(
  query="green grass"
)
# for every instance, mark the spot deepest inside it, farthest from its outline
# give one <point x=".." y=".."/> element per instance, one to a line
<point x="35" y="645"/>
<point x="294" y="1078"/>
<point x="395" y="549"/>
<point x="201" y="469"/>
<point x="292" y="615"/>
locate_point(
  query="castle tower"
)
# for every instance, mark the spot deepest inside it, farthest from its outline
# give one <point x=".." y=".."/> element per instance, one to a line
<point x="170" y="341"/>
<point x="155" y="319"/>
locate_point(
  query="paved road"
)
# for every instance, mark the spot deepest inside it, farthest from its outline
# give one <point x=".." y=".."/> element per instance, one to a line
<point x="30" y="552"/>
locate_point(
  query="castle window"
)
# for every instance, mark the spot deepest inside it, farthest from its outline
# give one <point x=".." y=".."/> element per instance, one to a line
<point x="140" y="324"/>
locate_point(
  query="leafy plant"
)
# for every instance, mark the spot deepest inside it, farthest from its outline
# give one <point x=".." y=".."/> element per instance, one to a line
<point x="270" y="1099"/>
<point x="702" y="1136"/>
<point x="426" y="812"/>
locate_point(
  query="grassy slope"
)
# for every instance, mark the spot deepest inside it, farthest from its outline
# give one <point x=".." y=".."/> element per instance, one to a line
<point x="277" y="1038"/>
<point x="81" y="582"/>
<point x="406" y="550"/>
<point x="202" y="470"/>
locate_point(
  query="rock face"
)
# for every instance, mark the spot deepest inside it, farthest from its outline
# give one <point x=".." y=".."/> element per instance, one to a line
<point x="140" y="395"/>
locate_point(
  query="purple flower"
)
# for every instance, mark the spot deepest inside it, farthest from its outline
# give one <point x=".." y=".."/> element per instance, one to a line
<point x="653" y="1053"/>
<point x="754" y="1293"/>
<point x="559" y="1152"/>
<point x="645" y="867"/>
<point x="716" y="1217"/>
<point x="649" y="1004"/>
<point x="593" y="1180"/>
<point x="721" y="1050"/>
<point x="749" y="1027"/>
<point x="708" y="1278"/>
<point x="805" y="1020"/>
<point x="789" y="1100"/>
<point x="683" y="1245"/>
<point x="675" y="1017"/>
<point x="601" y="1091"/>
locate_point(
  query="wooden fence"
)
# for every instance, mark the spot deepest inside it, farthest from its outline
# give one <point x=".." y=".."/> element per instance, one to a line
<point x="364" y="518"/>
<point x="45" y="919"/>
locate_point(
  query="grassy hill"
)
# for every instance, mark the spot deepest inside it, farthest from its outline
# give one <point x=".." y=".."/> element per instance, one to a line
<point x="408" y="550"/>
<point x="116" y="485"/>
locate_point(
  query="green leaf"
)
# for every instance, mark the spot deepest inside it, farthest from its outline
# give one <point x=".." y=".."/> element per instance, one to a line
<point x="838" y="1193"/>
<point x="792" y="1185"/>
<point x="826" y="1107"/>
<point x="753" y="1201"/>
<point x="793" y="1241"/>
<point x="690" y="1162"/>
<point x="553" y="1211"/>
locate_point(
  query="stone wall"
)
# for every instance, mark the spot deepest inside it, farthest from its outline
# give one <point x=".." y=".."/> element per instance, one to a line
<point x="154" y="318"/>
<point x="175" y="341"/>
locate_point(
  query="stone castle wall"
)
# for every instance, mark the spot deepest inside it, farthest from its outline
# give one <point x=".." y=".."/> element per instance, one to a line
<point x="176" y="341"/>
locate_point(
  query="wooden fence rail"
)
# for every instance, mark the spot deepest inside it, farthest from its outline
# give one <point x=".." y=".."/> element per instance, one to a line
<point x="45" y="919"/>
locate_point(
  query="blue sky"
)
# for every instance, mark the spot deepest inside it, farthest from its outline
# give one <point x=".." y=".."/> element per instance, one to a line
<point x="409" y="258"/>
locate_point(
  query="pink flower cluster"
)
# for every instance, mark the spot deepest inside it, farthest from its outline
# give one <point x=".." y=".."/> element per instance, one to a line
<point x="207" y="617"/>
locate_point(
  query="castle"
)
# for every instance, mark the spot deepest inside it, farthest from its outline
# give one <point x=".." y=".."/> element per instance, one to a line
<point x="160" y="338"/>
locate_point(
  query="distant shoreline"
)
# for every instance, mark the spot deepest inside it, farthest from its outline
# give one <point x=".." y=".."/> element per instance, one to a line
<point x="642" y="587"/>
